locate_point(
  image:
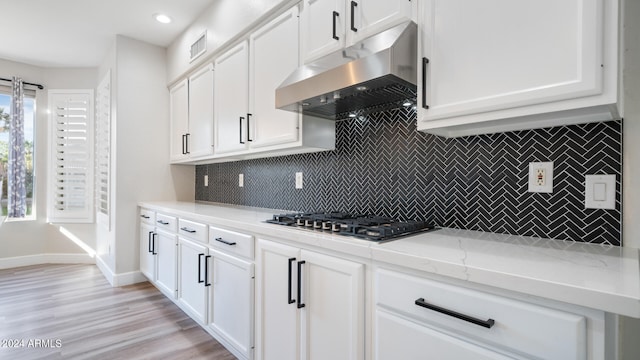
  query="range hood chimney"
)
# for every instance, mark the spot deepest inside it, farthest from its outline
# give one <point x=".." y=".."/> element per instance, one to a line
<point x="378" y="73"/>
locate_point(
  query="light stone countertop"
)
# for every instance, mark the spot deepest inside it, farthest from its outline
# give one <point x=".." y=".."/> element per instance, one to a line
<point x="601" y="277"/>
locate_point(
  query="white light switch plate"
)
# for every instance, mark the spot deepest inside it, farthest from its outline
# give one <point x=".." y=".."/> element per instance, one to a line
<point x="298" y="180"/>
<point x="600" y="192"/>
<point x="240" y="180"/>
<point x="541" y="177"/>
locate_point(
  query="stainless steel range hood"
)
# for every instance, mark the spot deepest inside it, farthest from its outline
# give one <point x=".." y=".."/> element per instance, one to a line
<point x="378" y="73"/>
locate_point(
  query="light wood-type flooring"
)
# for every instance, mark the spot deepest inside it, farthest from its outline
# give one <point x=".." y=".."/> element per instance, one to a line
<point x="71" y="312"/>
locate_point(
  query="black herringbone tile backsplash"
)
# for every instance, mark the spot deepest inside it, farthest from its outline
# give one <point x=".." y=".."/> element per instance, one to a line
<point x="382" y="165"/>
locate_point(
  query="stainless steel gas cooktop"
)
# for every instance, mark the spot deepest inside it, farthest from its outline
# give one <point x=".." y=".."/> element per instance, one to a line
<point x="369" y="227"/>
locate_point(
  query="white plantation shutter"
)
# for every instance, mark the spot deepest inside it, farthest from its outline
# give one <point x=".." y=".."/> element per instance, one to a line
<point x="71" y="163"/>
<point x="103" y="151"/>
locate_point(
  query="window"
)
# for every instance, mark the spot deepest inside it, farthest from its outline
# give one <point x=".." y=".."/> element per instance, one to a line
<point x="71" y="156"/>
<point x="29" y="105"/>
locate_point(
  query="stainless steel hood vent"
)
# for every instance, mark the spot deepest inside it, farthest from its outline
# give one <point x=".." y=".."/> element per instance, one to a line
<point x="378" y="73"/>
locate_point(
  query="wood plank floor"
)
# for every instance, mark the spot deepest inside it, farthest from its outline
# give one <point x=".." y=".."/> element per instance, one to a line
<point x="75" y="314"/>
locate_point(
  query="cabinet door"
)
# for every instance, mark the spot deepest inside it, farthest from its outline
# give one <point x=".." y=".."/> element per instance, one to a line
<point x="231" y="94"/>
<point x="147" y="259"/>
<point x="179" y="120"/>
<point x="373" y="16"/>
<point x="332" y="320"/>
<point x="497" y="54"/>
<point x="322" y="25"/>
<point x="192" y="289"/>
<point x="397" y="338"/>
<point x="232" y="300"/>
<point x="274" y="55"/>
<point x="277" y="317"/>
<point x="201" y="112"/>
<point x="166" y="248"/>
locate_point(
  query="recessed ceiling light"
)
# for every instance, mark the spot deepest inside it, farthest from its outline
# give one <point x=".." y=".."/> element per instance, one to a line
<point x="162" y="18"/>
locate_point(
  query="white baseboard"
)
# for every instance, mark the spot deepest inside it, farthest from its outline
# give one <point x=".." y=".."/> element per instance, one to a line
<point x="28" y="260"/>
<point x="117" y="280"/>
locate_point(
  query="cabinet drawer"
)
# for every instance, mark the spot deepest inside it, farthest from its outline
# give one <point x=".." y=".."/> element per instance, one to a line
<point x="518" y="327"/>
<point x="166" y="222"/>
<point x="147" y="216"/>
<point x="231" y="242"/>
<point x="192" y="230"/>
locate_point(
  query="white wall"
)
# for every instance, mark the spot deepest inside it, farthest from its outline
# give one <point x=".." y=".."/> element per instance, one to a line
<point x="224" y="19"/>
<point x="35" y="237"/>
<point x="140" y="148"/>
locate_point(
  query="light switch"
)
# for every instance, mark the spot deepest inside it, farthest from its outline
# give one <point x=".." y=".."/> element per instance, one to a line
<point x="600" y="192"/>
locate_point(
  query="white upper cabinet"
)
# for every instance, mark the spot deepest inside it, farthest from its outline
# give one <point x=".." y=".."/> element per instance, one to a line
<point x="273" y="56"/>
<point x="501" y="65"/>
<point x="201" y="112"/>
<point x="330" y="25"/>
<point x="191" y="113"/>
<point x="247" y="123"/>
<point x="179" y="114"/>
<point x="231" y="99"/>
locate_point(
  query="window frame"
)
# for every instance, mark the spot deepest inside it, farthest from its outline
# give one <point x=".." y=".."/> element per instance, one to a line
<point x="31" y="94"/>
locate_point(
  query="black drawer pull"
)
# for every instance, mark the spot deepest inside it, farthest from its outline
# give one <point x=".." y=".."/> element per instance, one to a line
<point x="191" y="231"/>
<point x="484" y="323"/>
<point x="144" y="216"/>
<point x="153" y="243"/>
<point x="224" y="241"/>
<point x="353" y="15"/>
<point x="200" y="256"/>
<point x="300" y="303"/>
<point x="162" y="222"/>
<point x="206" y="270"/>
<point x="291" y="301"/>
<point x="425" y="61"/>
<point x="335" y="19"/>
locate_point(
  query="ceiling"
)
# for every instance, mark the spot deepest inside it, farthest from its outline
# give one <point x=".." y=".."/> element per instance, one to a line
<point x="78" y="33"/>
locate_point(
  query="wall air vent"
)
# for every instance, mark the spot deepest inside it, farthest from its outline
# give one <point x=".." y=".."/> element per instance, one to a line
<point x="198" y="47"/>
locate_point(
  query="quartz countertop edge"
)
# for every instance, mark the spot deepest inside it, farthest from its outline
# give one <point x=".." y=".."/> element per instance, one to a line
<point x="601" y="277"/>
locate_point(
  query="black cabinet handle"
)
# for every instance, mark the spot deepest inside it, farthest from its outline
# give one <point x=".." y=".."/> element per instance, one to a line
<point x="206" y="270"/>
<point x="224" y="241"/>
<point x="183" y="143"/>
<point x="300" y="303"/>
<point x="353" y="20"/>
<point x="484" y="323"/>
<point x="240" y="127"/>
<point x="249" y="127"/>
<point x="186" y="151"/>
<point x="144" y="216"/>
<point x="162" y="222"/>
<point x="425" y="61"/>
<point x="200" y="281"/>
<point x="188" y="230"/>
<point x="150" y="250"/>
<point x="335" y="18"/>
<point x="153" y="243"/>
<point x="291" y="301"/>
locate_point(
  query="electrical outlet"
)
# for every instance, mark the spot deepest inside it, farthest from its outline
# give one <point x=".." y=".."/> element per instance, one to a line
<point x="541" y="177"/>
<point x="298" y="180"/>
<point x="206" y="180"/>
<point x="240" y="180"/>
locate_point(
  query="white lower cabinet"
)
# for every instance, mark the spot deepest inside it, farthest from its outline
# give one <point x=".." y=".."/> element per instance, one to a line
<point x="147" y="257"/>
<point x="418" y="318"/>
<point x="231" y="300"/>
<point x="158" y="255"/>
<point x="399" y="338"/>
<point x="166" y="262"/>
<point x="193" y="279"/>
<point x="309" y="305"/>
